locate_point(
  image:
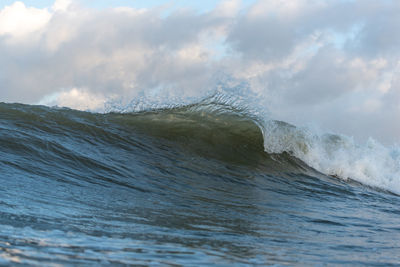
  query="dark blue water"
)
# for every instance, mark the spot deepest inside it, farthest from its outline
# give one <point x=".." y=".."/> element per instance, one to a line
<point x="176" y="187"/>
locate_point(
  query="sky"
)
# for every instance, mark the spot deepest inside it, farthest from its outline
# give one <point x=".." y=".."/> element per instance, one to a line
<point x="201" y="6"/>
<point x="328" y="64"/>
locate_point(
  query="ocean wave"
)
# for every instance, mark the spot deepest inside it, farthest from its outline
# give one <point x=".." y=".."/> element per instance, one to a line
<point x="214" y="128"/>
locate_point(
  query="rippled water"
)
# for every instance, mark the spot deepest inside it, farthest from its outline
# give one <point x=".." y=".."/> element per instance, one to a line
<point x="186" y="186"/>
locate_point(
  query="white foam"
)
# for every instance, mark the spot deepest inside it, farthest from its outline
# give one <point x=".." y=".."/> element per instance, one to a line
<point x="371" y="163"/>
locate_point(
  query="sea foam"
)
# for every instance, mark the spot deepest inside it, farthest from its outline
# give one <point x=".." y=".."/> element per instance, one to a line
<point x="371" y="163"/>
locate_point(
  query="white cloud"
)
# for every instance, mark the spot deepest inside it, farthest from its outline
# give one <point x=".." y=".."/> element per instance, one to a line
<point x="75" y="98"/>
<point x="61" y="5"/>
<point x="18" y="20"/>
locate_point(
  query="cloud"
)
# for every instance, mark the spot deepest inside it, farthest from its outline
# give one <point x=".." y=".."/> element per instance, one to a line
<point x="109" y="51"/>
<point x="18" y="20"/>
<point x="76" y="99"/>
<point x="333" y="63"/>
<point x="62" y="5"/>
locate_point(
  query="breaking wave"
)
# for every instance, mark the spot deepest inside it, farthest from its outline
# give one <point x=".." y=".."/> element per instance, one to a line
<point x="219" y="129"/>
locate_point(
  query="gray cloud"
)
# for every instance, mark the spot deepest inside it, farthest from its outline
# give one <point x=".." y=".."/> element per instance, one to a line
<point x="110" y="51"/>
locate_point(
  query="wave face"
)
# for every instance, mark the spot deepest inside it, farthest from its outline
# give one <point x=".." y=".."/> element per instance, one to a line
<point x="198" y="184"/>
